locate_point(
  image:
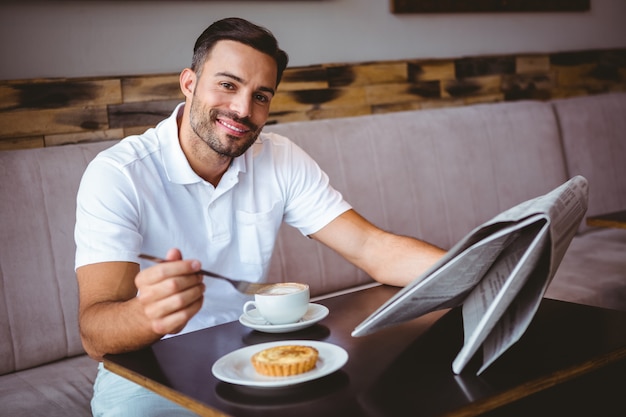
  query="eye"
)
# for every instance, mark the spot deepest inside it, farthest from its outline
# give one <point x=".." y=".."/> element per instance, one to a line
<point x="261" y="98"/>
<point x="226" y="85"/>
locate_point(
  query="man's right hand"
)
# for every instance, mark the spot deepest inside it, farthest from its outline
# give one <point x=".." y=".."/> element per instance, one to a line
<point x="170" y="292"/>
<point x="122" y="309"/>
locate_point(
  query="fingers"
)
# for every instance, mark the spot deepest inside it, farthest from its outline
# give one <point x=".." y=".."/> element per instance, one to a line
<point x="174" y="255"/>
<point x="171" y="314"/>
<point x="170" y="292"/>
<point x="165" y="270"/>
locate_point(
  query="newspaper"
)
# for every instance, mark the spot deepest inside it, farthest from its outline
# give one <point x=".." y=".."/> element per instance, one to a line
<point x="498" y="273"/>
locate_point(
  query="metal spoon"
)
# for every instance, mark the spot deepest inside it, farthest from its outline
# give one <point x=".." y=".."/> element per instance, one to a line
<point x="244" y="287"/>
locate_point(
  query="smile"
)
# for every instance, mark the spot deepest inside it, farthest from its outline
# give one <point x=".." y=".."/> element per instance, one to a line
<point x="231" y="127"/>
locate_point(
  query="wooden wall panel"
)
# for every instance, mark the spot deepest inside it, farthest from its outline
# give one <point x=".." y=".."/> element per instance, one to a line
<point x="431" y="70"/>
<point x="91" y="136"/>
<point x="393" y="93"/>
<point x="56" y="94"/>
<point x="50" y="112"/>
<point x="151" y="88"/>
<point x="367" y="74"/>
<point x="15" y="124"/>
<point x="26" y="142"/>
<point x="530" y="64"/>
<point x="472" y="86"/>
<point x="304" y="78"/>
<point x="141" y="113"/>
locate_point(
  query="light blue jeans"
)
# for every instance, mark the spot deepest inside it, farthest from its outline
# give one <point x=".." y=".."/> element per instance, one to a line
<point x="117" y="396"/>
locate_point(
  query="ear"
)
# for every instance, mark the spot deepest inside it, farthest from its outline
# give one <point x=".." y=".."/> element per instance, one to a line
<point x="187" y="82"/>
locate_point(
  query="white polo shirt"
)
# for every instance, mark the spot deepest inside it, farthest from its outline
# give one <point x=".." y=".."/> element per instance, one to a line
<point x="141" y="195"/>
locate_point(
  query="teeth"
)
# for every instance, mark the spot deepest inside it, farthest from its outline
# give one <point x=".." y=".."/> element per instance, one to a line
<point x="232" y="127"/>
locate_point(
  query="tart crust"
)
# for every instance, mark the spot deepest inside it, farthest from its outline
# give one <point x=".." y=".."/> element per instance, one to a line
<point x="285" y="360"/>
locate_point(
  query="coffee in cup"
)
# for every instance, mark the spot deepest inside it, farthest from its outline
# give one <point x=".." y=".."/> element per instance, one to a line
<point x="281" y="303"/>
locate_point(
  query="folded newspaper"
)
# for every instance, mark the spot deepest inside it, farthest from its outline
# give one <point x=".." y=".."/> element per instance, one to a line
<point x="498" y="273"/>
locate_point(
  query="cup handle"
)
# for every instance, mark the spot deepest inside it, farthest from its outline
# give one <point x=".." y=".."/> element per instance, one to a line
<point x="258" y="318"/>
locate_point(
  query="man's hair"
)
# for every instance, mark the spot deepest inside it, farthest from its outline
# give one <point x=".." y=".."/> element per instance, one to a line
<point x="239" y="30"/>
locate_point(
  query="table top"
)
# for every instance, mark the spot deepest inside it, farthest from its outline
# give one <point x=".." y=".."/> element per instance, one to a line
<point x="401" y="368"/>
<point x="616" y="219"/>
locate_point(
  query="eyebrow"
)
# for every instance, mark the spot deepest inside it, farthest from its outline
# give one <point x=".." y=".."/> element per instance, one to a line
<point x="241" y="80"/>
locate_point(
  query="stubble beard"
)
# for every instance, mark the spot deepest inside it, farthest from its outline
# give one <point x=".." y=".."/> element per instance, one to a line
<point x="203" y="120"/>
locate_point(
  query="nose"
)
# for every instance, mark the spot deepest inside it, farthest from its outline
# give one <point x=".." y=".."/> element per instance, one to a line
<point x="242" y="105"/>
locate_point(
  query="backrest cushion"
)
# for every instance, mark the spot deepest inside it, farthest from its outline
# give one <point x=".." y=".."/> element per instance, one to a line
<point x="594" y="141"/>
<point x="432" y="174"/>
<point x="38" y="289"/>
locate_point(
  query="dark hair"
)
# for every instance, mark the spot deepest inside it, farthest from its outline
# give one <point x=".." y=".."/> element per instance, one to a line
<point x="239" y="30"/>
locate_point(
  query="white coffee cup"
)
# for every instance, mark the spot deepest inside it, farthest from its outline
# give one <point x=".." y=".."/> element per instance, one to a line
<point x="282" y="303"/>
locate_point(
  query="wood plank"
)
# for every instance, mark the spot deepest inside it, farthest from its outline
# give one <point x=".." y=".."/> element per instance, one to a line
<point x="145" y="113"/>
<point x="572" y="75"/>
<point x="530" y="64"/>
<point x="587" y="77"/>
<point x="59" y="107"/>
<point x="58" y="94"/>
<point x="529" y="86"/>
<point x="473" y="86"/>
<point x="431" y="70"/>
<point x="304" y="100"/>
<point x="567" y="92"/>
<point x="487" y="98"/>
<point x="287" y="101"/>
<point x="445" y="102"/>
<point x="345" y="111"/>
<point x="617" y="88"/>
<point x="149" y="88"/>
<point x="472" y="67"/>
<point x="367" y="74"/>
<point x="304" y="78"/>
<point x="135" y="130"/>
<point x="401" y="92"/>
<point x="319" y="113"/>
<point x="395" y="107"/>
<point x="43" y="122"/>
<point x="286" y="117"/>
<point x="82" y="137"/>
<point x="29" y="142"/>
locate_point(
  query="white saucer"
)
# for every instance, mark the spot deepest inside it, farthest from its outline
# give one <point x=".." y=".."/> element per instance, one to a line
<point x="237" y="368"/>
<point x="314" y="313"/>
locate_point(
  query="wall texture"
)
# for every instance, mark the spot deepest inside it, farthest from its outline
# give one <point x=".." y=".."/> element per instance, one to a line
<point x="49" y="112"/>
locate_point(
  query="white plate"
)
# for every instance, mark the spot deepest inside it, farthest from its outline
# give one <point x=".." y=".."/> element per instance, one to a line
<point x="237" y="368"/>
<point x="314" y="313"/>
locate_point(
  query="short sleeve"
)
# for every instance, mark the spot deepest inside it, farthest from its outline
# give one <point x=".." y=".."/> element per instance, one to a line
<point x="312" y="202"/>
<point x="107" y="216"/>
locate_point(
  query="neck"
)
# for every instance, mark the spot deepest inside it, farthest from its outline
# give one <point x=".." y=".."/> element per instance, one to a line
<point x="209" y="165"/>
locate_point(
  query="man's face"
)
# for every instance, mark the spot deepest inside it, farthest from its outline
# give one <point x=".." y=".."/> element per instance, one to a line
<point x="231" y="99"/>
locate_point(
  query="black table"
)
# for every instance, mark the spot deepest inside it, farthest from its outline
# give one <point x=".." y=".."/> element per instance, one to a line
<point x="572" y="358"/>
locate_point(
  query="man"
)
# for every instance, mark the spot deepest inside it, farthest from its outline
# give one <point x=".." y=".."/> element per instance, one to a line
<point x="206" y="182"/>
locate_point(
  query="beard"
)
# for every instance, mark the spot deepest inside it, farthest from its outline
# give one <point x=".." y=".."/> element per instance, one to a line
<point x="203" y="120"/>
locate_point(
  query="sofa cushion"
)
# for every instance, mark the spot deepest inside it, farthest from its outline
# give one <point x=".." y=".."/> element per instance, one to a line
<point x="38" y="289"/>
<point x="59" y="389"/>
<point x="593" y="129"/>
<point x="432" y="174"/>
